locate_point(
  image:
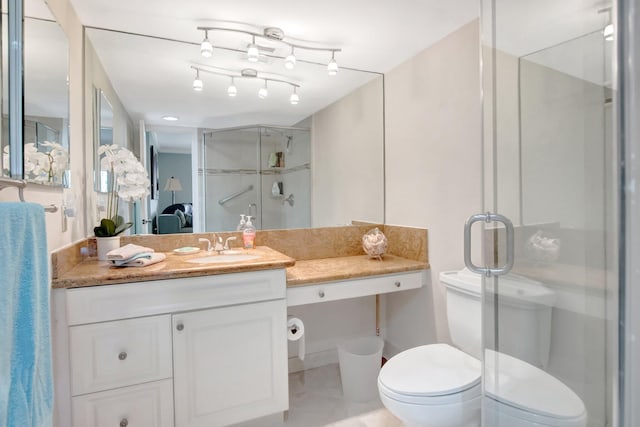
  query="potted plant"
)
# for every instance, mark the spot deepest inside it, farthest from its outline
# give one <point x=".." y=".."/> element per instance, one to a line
<point x="128" y="180"/>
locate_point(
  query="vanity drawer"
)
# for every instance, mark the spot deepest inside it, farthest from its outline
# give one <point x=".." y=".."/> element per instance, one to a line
<point x="128" y="300"/>
<point x="120" y="353"/>
<point x="332" y="291"/>
<point x="146" y="405"/>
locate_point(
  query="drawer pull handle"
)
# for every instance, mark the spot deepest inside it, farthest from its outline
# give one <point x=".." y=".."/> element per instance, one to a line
<point x="122" y="355"/>
<point x="180" y="326"/>
<point x="321" y="293"/>
<point x="397" y="283"/>
<point x="124" y="422"/>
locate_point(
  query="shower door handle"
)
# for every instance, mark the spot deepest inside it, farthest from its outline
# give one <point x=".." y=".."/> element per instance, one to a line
<point x="489" y="217"/>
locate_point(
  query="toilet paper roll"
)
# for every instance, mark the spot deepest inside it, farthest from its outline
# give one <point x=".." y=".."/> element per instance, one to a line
<point x="295" y="332"/>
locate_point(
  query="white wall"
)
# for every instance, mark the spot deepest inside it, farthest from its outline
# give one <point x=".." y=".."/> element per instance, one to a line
<point x="346" y="160"/>
<point x="433" y="170"/>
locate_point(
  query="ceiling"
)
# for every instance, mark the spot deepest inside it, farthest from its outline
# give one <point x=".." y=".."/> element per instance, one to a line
<point x="153" y="77"/>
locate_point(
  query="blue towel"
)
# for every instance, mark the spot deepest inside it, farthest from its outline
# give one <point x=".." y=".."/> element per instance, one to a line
<point x="26" y="384"/>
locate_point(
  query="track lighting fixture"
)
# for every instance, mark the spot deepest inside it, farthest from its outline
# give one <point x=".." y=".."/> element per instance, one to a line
<point x="294" y="98"/>
<point x="253" y="55"/>
<point x="247" y="73"/>
<point x="332" y="66"/>
<point x="232" y="90"/>
<point x="206" y="48"/>
<point x="290" y="61"/>
<point x="274" y="36"/>
<point x="197" y="82"/>
<point x="263" y="92"/>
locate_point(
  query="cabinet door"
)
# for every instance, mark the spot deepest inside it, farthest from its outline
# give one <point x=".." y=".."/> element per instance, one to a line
<point x="230" y="364"/>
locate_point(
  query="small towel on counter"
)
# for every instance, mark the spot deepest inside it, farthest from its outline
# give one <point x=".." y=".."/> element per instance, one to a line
<point x="126" y="252"/>
<point x="141" y="260"/>
<point x="26" y="380"/>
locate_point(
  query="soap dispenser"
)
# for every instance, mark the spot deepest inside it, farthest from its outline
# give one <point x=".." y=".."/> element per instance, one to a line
<point x="241" y="224"/>
<point x="249" y="234"/>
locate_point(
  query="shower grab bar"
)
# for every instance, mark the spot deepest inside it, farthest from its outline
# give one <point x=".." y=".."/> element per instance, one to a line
<point x="234" y="195"/>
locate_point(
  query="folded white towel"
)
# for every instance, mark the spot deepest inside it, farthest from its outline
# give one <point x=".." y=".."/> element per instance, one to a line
<point x="143" y="261"/>
<point x="127" y="251"/>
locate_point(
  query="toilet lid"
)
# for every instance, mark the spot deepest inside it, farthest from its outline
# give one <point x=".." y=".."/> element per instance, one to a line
<point x="521" y="385"/>
<point x="430" y="370"/>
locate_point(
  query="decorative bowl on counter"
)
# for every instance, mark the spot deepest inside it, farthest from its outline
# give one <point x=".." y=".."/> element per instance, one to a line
<point x="374" y="243"/>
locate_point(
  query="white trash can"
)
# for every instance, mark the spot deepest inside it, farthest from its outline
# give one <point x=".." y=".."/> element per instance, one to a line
<point x="360" y="360"/>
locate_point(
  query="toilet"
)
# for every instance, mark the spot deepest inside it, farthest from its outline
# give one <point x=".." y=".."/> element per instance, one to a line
<point x="439" y="385"/>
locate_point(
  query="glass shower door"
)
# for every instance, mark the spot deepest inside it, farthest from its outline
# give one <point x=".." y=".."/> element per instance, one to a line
<point x="550" y="191"/>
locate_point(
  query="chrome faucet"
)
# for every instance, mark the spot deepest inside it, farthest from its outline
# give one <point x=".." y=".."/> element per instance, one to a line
<point x="216" y="246"/>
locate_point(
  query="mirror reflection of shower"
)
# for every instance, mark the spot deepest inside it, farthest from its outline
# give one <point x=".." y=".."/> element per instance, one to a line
<point x="256" y="170"/>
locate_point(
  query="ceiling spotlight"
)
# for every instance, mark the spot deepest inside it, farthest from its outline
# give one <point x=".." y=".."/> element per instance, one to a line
<point x="263" y="92"/>
<point x="290" y="61"/>
<point x="206" y="48"/>
<point x="608" y="32"/>
<point x="232" y="90"/>
<point x="197" y="82"/>
<point x="332" y="66"/>
<point x="170" y="118"/>
<point x="252" y="51"/>
<point x="294" y="98"/>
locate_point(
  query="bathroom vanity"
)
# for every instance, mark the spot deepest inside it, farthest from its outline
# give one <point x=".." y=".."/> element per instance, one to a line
<point x="216" y="343"/>
<point x="186" y="344"/>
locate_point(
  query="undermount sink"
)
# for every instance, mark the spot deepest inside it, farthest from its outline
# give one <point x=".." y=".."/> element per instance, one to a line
<point x="223" y="258"/>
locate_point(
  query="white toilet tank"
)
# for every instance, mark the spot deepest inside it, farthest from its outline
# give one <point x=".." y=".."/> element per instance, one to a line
<point x="524" y="314"/>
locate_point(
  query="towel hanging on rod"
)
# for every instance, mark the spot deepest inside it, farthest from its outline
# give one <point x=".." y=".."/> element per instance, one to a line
<point x="20" y="185"/>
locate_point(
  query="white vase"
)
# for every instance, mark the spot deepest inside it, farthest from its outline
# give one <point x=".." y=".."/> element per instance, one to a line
<point x="106" y="244"/>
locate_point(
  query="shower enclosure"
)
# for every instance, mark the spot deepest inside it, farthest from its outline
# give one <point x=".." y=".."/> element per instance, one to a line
<point x="551" y="188"/>
<point x="262" y="171"/>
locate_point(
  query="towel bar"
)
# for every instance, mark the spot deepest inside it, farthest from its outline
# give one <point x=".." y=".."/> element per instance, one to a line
<point x="20" y="185"/>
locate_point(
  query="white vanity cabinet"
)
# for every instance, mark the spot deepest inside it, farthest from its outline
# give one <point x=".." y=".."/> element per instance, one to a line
<point x="201" y="351"/>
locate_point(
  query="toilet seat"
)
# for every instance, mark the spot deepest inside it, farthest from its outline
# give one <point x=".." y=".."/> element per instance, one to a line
<point x="432" y="374"/>
<point x="522" y="391"/>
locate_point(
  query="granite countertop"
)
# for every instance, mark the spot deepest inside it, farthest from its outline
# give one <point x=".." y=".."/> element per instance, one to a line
<point x="92" y="272"/>
<point x="308" y="272"/>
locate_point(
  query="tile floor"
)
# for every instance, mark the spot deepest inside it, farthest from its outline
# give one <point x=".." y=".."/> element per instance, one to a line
<point x="316" y="400"/>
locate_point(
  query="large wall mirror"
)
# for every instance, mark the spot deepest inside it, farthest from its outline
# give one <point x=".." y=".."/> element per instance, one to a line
<point x="45" y="100"/>
<point x="315" y="163"/>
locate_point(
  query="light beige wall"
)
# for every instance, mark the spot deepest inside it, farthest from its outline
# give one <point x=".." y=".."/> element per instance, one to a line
<point x="433" y="170"/>
<point x="346" y="159"/>
<point x="59" y="234"/>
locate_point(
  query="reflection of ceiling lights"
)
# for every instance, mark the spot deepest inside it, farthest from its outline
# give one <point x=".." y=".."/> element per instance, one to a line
<point x="608" y="30"/>
<point x="248" y="73"/>
<point x="253" y="55"/>
<point x="294" y="98"/>
<point x="290" y="61"/>
<point x="197" y="82"/>
<point x="332" y="66"/>
<point x="274" y="35"/>
<point x="170" y="118"/>
<point x="263" y="92"/>
<point x="206" y="48"/>
<point x="232" y="90"/>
